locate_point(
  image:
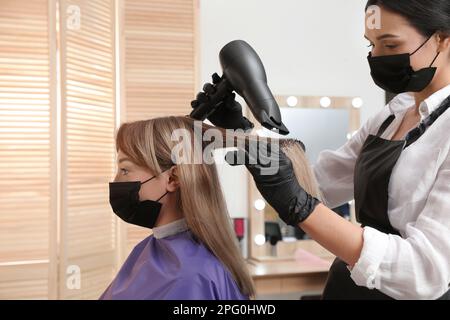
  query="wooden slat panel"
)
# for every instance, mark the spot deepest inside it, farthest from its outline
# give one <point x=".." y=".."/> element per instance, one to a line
<point x="25" y="149"/>
<point x="24" y="131"/>
<point x="28" y="280"/>
<point x="88" y="237"/>
<point x="95" y="271"/>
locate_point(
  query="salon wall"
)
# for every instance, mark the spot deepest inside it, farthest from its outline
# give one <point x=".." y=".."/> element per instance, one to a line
<point x="307" y="47"/>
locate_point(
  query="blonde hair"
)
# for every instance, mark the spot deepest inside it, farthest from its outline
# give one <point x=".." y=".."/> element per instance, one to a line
<point x="302" y="169"/>
<point x="149" y="144"/>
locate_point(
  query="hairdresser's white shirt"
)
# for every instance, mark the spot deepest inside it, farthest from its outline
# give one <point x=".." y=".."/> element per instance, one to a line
<point x="417" y="264"/>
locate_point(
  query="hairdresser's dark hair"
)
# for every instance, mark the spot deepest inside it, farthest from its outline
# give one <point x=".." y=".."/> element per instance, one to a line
<point x="427" y="16"/>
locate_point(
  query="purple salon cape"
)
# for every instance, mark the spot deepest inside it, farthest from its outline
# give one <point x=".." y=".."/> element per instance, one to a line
<point x="171" y="265"/>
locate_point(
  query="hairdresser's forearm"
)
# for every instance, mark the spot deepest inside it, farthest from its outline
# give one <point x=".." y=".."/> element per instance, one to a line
<point x="341" y="237"/>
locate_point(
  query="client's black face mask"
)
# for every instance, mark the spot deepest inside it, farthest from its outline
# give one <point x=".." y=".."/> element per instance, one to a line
<point x="394" y="73"/>
<point x="124" y="200"/>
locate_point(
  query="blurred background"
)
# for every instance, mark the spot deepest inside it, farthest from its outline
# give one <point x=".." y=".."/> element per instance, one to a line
<point x="72" y="71"/>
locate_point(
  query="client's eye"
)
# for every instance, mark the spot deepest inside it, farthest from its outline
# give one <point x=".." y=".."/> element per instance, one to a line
<point x="124" y="171"/>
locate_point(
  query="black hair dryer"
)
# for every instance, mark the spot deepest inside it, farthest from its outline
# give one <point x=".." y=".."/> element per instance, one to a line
<point x="244" y="73"/>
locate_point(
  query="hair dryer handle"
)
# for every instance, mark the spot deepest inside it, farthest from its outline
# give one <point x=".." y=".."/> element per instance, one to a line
<point x="201" y="112"/>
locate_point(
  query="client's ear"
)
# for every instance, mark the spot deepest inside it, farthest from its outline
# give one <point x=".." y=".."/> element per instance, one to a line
<point x="174" y="182"/>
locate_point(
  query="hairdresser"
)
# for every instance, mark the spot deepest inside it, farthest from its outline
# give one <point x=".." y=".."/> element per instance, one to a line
<point x="396" y="167"/>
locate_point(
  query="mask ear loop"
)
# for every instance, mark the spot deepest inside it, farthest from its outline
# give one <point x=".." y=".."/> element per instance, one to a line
<point x="148" y="180"/>
<point x="422" y="44"/>
<point x="437" y="55"/>
<point x="163" y="195"/>
<point x="152" y="177"/>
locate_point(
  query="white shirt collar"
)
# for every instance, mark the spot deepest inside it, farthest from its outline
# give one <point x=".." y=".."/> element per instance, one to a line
<point x="400" y="103"/>
<point x="170" y="229"/>
<point x="433" y="102"/>
<point x="404" y="101"/>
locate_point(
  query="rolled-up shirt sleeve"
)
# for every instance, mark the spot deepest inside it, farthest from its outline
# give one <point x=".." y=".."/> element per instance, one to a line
<point x="418" y="265"/>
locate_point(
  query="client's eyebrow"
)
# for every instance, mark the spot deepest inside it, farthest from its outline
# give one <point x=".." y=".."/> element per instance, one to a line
<point x="124" y="159"/>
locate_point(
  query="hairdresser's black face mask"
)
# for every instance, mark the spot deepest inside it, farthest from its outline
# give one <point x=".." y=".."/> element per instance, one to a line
<point x="124" y="200"/>
<point x="394" y="73"/>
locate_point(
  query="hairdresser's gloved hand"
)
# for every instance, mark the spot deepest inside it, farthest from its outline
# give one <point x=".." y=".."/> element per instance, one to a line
<point x="274" y="176"/>
<point x="227" y="113"/>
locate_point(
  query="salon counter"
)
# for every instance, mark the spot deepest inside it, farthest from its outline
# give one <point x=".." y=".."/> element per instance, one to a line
<point x="304" y="273"/>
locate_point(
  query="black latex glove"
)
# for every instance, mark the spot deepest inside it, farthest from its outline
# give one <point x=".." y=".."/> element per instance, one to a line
<point x="279" y="188"/>
<point x="227" y="113"/>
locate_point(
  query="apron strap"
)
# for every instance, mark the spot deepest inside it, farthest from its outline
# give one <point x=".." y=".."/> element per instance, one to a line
<point x="385" y="124"/>
<point x="415" y="134"/>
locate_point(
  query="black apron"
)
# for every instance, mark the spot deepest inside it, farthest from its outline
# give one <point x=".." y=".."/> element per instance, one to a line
<point x="372" y="173"/>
